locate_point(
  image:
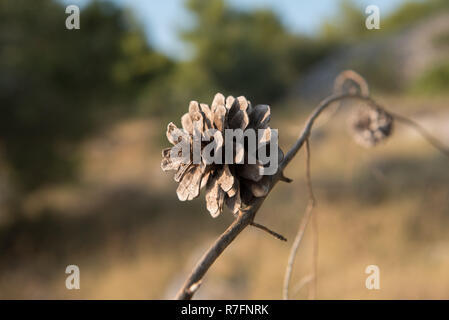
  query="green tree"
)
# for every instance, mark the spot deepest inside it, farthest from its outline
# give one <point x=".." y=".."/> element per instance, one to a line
<point x="412" y="12"/>
<point x="58" y="85"/>
<point x="435" y="80"/>
<point x="247" y="53"/>
<point x="347" y="25"/>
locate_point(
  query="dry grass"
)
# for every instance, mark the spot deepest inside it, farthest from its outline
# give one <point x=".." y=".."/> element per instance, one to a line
<point x="125" y="228"/>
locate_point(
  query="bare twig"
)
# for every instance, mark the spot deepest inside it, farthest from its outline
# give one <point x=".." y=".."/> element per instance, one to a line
<point x="273" y="233"/>
<point x="285" y="179"/>
<point x="315" y="234"/>
<point x="350" y="75"/>
<point x="311" y="120"/>
<point x="423" y="132"/>
<point x="359" y="85"/>
<point x="246" y="216"/>
<point x="302" y="226"/>
<point x="313" y="289"/>
<point x="304" y="281"/>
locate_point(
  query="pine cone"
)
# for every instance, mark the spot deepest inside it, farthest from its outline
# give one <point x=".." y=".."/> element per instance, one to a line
<point x="371" y="126"/>
<point x="236" y="184"/>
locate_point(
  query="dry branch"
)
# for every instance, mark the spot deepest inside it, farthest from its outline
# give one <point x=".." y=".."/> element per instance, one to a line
<point x="246" y="216"/>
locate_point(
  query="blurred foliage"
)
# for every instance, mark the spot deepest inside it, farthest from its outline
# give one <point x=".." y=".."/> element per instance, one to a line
<point x="441" y="40"/>
<point x="347" y="27"/>
<point x="378" y="71"/>
<point x="348" y="24"/>
<point x="247" y="53"/>
<point x="412" y="12"/>
<point x="57" y="85"/>
<point x="435" y="80"/>
<point x="235" y="52"/>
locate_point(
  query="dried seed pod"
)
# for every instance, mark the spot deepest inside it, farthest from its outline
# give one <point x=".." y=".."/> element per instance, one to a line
<point x="371" y="126"/>
<point x="234" y="184"/>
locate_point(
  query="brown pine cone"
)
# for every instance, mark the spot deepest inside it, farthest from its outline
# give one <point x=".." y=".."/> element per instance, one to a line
<point x="236" y="184"/>
<point x="371" y="126"/>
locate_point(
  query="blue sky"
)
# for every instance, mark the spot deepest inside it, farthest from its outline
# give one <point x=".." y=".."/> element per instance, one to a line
<point x="163" y="18"/>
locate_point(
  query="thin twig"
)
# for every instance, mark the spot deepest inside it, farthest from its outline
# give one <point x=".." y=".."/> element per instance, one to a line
<point x="304" y="281"/>
<point x="315" y="254"/>
<point x="285" y="179"/>
<point x="315" y="235"/>
<point x="423" y="132"/>
<point x="311" y="120"/>
<point x="302" y="226"/>
<point x="350" y="75"/>
<point x="346" y="76"/>
<point x="313" y="289"/>
<point x="273" y="233"/>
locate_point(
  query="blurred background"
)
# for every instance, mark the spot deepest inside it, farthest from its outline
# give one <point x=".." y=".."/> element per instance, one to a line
<point x="83" y="120"/>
